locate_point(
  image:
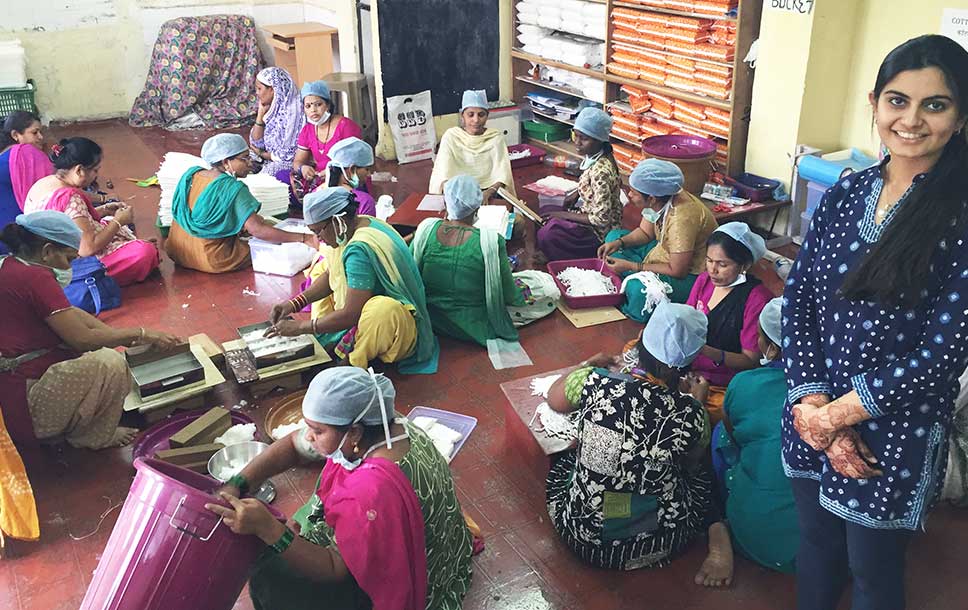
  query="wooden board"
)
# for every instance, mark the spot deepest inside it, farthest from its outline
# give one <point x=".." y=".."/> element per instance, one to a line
<point x="594" y="316"/>
<point x="174" y="398"/>
<point x="524" y="405"/>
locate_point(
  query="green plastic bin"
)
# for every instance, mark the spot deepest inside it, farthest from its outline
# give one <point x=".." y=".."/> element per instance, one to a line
<point x="546" y="132"/>
<point x="21" y="98"/>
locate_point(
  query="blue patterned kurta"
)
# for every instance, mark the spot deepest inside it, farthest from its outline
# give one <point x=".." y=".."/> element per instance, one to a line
<point x="903" y="363"/>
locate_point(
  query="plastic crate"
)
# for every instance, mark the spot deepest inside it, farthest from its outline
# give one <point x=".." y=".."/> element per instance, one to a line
<point x="753" y="187"/>
<point x="546" y="132"/>
<point x="21" y="98"/>
<point x="600" y="300"/>
<point x="815" y="192"/>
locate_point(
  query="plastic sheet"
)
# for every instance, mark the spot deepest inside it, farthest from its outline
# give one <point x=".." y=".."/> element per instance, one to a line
<point x="507" y="354"/>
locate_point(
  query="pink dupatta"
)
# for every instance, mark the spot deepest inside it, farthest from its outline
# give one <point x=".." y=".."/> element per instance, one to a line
<point x="379" y="528"/>
<point x="27" y="166"/>
<point x="61" y="198"/>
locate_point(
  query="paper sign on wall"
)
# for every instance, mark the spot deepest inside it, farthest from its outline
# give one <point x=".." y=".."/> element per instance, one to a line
<point x="954" y="25"/>
<point x="800" y="7"/>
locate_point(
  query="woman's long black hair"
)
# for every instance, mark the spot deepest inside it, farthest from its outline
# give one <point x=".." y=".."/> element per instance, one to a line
<point x="896" y="270"/>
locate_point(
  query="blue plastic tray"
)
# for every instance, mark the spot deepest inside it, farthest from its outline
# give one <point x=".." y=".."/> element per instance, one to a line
<point x="464" y="424"/>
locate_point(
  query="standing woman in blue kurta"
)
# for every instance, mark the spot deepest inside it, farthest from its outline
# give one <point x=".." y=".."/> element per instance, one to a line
<point x="874" y="336"/>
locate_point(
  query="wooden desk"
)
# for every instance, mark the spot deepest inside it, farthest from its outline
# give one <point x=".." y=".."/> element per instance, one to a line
<point x="407" y="214"/>
<point x="632" y="214"/>
<point x="305" y="50"/>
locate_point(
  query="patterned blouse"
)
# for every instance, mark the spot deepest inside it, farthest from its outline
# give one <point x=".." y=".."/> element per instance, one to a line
<point x="77" y="208"/>
<point x="633" y="493"/>
<point x="903" y="362"/>
<point x="599" y="188"/>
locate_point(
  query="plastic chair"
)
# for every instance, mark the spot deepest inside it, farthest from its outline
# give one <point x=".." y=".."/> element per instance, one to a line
<point x="356" y="100"/>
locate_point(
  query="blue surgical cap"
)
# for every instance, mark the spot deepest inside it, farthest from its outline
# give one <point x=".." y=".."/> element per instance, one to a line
<point x="675" y="333"/>
<point x="325" y="203"/>
<point x="770" y="320"/>
<point x="318" y="88"/>
<point x="741" y="232"/>
<point x="657" y="178"/>
<point x="222" y="146"/>
<point x="53" y="226"/>
<point x="594" y="123"/>
<point x="343" y="395"/>
<point x="473" y="98"/>
<point x="462" y="196"/>
<point x="351" y="152"/>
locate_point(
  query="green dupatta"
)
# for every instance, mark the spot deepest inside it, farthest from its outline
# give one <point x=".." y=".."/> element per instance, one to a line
<point x="220" y="211"/>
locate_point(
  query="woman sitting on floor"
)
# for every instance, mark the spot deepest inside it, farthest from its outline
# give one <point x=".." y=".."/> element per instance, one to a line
<point x="22" y="163"/>
<point x="277" y="123"/>
<point x="384" y="528"/>
<point x="759" y="505"/>
<point x="104" y="228"/>
<point x="322" y="131"/>
<point x="465" y="270"/>
<point x="59" y="374"/>
<point x="474" y="150"/>
<point x="211" y="208"/>
<point x="732" y="301"/>
<point x="634" y="492"/>
<point x="367" y="294"/>
<point x="670" y="242"/>
<point x="595" y="208"/>
<point x="351" y="161"/>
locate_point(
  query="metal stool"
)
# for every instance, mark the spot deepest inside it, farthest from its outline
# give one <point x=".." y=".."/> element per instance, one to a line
<point x="356" y="100"/>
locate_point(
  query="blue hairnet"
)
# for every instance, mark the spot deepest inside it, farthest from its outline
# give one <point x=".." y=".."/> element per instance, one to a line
<point x="741" y="232"/>
<point x="53" y="226"/>
<point x="657" y="178"/>
<point x="594" y="123"/>
<point x="318" y="88"/>
<point x="351" y="152"/>
<point x="473" y="98"/>
<point x="325" y="203"/>
<point x="345" y="395"/>
<point x="770" y="320"/>
<point x="675" y="333"/>
<point x="222" y="146"/>
<point x="462" y="196"/>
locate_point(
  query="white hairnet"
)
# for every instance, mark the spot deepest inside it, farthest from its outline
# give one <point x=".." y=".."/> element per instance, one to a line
<point x="657" y="178"/>
<point x="741" y="232"/>
<point x="223" y="146"/>
<point x="675" y="333"/>
<point x="473" y="98"/>
<point x="462" y="196"/>
<point x="344" y="395"/>
<point x="325" y="203"/>
<point x="594" y="123"/>
<point x="53" y="226"/>
<point x="771" y="320"/>
<point x="351" y="152"/>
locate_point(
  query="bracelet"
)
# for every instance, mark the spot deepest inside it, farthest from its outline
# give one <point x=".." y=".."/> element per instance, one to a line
<point x="140" y="339"/>
<point x="299" y="302"/>
<point x="284" y="541"/>
<point x="621" y="241"/>
<point x="313" y="326"/>
<point x="262" y="124"/>
<point x="239" y="481"/>
<point x="641" y="267"/>
<point x="722" y="357"/>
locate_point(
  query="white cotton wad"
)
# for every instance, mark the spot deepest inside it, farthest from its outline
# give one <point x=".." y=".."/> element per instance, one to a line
<point x="585" y="282"/>
<point x="540" y="386"/>
<point x="239" y="433"/>
<point x="557" y="425"/>
<point x="231" y="469"/>
<point x="443" y="437"/>
<point x="286" y="429"/>
<point x="655" y="290"/>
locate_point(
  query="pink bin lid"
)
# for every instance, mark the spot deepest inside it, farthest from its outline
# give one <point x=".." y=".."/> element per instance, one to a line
<point x="679" y="147"/>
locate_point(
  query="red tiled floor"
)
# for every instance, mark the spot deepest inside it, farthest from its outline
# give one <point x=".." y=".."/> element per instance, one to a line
<point x="525" y="565"/>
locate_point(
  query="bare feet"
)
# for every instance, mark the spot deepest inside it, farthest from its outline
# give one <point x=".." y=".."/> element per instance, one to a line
<point x="717" y="569"/>
<point x="122" y="436"/>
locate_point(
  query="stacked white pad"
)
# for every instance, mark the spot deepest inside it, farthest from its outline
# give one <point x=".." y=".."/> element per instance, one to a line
<point x="493" y="217"/>
<point x="568" y="48"/>
<point x="173" y="167"/>
<point x="272" y="194"/>
<point x="444" y="438"/>
<point x="574" y="16"/>
<point x="13" y="65"/>
<point x="588" y="86"/>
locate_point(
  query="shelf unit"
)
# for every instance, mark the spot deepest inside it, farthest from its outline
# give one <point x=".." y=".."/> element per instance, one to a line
<point x="747" y="23"/>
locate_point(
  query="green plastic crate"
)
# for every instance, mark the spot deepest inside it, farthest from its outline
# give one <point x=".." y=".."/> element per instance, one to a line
<point x="21" y="98"/>
<point x="546" y="132"/>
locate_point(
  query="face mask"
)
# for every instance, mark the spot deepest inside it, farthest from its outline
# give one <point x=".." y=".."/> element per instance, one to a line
<point x="764" y="360"/>
<point x="740" y="279"/>
<point x="650" y="215"/>
<point x="63" y="276"/>
<point x="340" y="229"/>
<point x="320" y="121"/>
<point x="589" y="161"/>
<point x="340" y="459"/>
<point x="354" y="181"/>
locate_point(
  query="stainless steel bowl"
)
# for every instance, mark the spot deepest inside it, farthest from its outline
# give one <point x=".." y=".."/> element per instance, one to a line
<point x="240" y="453"/>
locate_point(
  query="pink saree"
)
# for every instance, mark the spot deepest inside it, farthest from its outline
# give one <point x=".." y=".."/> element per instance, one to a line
<point x="27" y="166"/>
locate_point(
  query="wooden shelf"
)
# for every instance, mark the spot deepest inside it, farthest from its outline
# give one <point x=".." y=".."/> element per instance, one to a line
<point x="561" y="147"/>
<point x="519" y="54"/>
<point x="553" y="87"/>
<point x="552" y="117"/>
<point x="668" y="11"/>
<point x="669" y="91"/>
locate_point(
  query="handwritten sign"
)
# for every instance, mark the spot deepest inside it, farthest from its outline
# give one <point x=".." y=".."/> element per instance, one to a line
<point x="954" y="25"/>
<point x="800" y="7"/>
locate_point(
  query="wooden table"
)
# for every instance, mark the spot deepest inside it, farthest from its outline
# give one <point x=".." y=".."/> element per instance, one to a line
<point x="407" y="214"/>
<point x="305" y="50"/>
<point x="632" y="214"/>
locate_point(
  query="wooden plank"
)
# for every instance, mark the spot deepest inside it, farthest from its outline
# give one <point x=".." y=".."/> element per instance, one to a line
<point x="561" y="147"/>
<point x="747" y="30"/>
<point x="298" y="30"/>
<point x="557" y="88"/>
<point x="519" y="54"/>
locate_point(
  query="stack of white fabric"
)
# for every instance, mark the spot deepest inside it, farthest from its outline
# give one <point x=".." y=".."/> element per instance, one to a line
<point x="574" y="16"/>
<point x="173" y="167"/>
<point x="568" y="48"/>
<point x="590" y="87"/>
<point x="445" y="439"/>
<point x="493" y="217"/>
<point x="272" y="194"/>
<point x="13" y="65"/>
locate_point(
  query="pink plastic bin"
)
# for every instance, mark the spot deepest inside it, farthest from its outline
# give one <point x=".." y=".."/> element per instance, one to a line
<point x="537" y="155"/>
<point x="602" y="300"/>
<point x="167" y="551"/>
